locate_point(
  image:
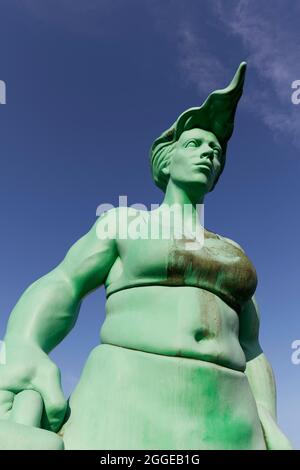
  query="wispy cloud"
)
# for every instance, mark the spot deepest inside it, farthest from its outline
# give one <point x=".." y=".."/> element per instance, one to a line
<point x="272" y="46"/>
<point x="204" y="69"/>
<point x="214" y="38"/>
<point x="190" y="38"/>
<point x="270" y="37"/>
<point x="210" y="39"/>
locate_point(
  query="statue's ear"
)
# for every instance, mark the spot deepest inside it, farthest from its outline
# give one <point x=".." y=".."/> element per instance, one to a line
<point x="166" y="170"/>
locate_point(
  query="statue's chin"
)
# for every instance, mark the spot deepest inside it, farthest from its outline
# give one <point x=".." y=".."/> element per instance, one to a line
<point x="197" y="187"/>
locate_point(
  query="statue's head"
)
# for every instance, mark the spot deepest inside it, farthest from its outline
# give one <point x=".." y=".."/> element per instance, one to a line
<point x="193" y="150"/>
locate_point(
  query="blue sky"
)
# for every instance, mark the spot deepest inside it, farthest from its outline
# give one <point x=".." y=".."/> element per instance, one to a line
<point x="90" y="84"/>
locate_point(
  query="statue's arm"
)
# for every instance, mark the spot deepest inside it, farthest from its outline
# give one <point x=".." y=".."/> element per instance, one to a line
<point x="47" y="311"/>
<point x="260" y="376"/>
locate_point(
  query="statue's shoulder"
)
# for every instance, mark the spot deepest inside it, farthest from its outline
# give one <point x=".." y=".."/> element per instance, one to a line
<point x="125" y="212"/>
<point x="116" y="217"/>
<point x="232" y="242"/>
<point x="110" y="214"/>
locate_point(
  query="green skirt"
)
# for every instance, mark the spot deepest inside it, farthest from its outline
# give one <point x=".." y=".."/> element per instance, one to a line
<point x="128" y="399"/>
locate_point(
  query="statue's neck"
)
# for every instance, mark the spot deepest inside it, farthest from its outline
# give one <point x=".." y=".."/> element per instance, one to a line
<point x="182" y="204"/>
<point x="177" y="195"/>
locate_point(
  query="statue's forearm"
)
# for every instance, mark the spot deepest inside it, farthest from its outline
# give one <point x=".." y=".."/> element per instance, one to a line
<point x="262" y="383"/>
<point x="45" y="313"/>
<point x="261" y="379"/>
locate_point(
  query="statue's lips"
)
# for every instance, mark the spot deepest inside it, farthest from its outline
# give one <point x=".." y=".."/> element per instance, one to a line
<point x="204" y="167"/>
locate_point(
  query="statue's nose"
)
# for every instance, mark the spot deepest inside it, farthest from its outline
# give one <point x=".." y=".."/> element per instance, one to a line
<point x="207" y="152"/>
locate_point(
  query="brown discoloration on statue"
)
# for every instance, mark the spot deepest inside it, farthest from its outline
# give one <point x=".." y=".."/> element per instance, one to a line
<point x="218" y="266"/>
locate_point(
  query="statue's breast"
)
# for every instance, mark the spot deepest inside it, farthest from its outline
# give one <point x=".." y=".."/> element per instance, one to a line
<point x="216" y="265"/>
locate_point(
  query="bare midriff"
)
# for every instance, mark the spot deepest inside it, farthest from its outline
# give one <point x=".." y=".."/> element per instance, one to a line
<point x="176" y="321"/>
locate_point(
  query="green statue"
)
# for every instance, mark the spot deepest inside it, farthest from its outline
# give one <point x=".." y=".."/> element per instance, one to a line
<point x="179" y="365"/>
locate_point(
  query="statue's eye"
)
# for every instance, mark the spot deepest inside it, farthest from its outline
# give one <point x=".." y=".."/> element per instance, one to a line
<point x="217" y="151"/>
<point x="191" y="143"/>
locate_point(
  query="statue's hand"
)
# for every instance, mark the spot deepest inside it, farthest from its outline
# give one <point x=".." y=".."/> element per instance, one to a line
<point x="27" y="367"/>
<point x="274" y="437"/>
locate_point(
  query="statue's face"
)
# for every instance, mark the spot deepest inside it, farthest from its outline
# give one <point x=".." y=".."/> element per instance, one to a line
<point x="196" y="161"/>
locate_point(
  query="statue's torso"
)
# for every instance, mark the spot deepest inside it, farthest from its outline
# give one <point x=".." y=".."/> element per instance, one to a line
<point x="217" y="266"/>
<point x="168" y="299"/>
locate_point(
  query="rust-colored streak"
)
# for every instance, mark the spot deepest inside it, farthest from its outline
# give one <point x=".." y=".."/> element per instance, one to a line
<point x="218" y="266"/>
